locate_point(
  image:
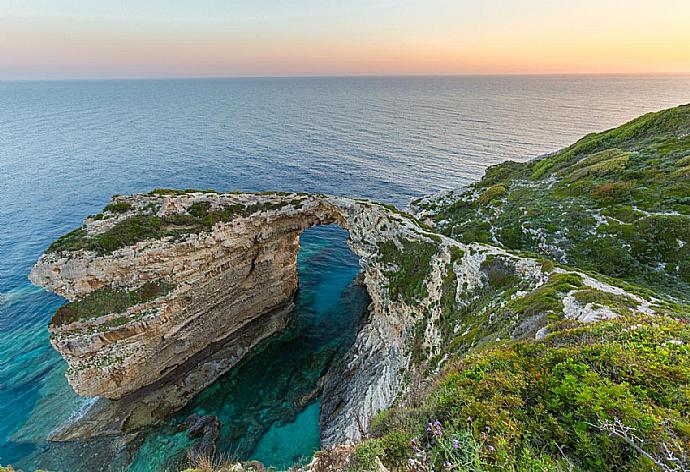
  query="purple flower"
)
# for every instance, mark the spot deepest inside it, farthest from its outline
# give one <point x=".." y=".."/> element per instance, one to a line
<point x="456" y="444"/>
<point x="491" y="448"/>
<point x="413" y="443"/>
<point x="437" y="429"/>
<point x="469" y="418"/>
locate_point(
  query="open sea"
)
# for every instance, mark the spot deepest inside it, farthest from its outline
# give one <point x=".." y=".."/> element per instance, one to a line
<point x="66" y="147"/>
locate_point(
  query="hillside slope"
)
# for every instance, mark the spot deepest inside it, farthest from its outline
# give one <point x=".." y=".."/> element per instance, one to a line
<point x="523" y="380"/>
<point x="616" y="202"/>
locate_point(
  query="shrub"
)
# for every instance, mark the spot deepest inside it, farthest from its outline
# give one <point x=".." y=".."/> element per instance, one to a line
<point x="499" y="272"/>
<point x="612" y="192"/>
<point x="492" y="193"/>
<point x="413" y="266"/>
<point x="540" y="395"/>
<point x="366" y="454"/>
<point x="72" y="241"/>
<point x="133" y="229"/>
<point x="118" y="207"/>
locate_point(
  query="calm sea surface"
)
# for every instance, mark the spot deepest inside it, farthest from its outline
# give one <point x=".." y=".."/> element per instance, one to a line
<point x="66" y="147"/>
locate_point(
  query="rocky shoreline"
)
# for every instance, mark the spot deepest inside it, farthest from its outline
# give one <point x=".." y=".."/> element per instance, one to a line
<point x="506" y="309"/>
<point x="150" y="359"/>
<point x="233" y="287"/>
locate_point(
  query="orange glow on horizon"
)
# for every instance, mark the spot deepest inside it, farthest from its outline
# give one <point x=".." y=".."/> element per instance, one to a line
<point x="576" y="40"/>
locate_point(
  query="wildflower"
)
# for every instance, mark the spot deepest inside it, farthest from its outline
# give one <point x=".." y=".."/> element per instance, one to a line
<point x="414" y="443"/>
<point x="456" y="444"/>
<point x="491" y="448"/>
<point x="447" y="465"/>
<point x="469" y="419"/>
<point x="436" y="430"/>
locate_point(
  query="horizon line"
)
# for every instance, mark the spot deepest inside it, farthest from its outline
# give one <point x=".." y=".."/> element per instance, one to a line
<point x="342" y="76"/>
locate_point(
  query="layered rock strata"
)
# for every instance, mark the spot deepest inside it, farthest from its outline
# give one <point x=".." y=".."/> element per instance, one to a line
<point x="228" y="262"/>
<point x="237" y="270"/>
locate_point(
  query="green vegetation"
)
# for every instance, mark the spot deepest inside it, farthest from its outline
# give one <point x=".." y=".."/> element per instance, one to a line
<point x="200" y="217"/>
<point x="107" y="300"/>
<point x="492" y="193"/>
<point x="412" y="261"/>
<point x="616" y="203"/>
<point x="72" y="241"/>
<point x="118" y="207"/>
<point x="567" y="401"/>
<point x="366" y="454"/>
<point x="172" y="191"/>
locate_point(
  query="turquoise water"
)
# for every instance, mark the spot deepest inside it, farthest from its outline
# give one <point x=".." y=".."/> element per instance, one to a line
<point x="285" y="444"/>
<point x="66" y="147"/>
<point x="261" y="403"/>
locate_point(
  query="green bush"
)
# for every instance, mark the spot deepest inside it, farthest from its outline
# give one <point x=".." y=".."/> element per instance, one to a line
<point x="127" y="232"/>
<point x="543" y="405"/>
<point x="118" y="207"/>
<point x="612" y="192"/>
<point x="558" y="394"/>
<point x="366" y="453"/>
<point x="413" y="266"/>
<point x="493" y="193"/>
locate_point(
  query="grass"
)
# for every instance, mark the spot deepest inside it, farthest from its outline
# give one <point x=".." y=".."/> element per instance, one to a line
<point x="108" y="300"/>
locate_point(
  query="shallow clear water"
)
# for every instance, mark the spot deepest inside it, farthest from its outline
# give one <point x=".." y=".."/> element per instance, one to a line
<point x="259" y="402"/>
<point x="65" y="147"/>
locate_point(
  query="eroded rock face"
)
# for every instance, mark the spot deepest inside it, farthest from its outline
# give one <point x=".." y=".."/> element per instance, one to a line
<point x="239" y="270"/>
<point x="229" y="265"/>
<point x="156" y="402"/>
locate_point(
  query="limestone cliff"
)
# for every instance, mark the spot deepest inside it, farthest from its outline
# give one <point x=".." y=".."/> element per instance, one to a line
<point x="170" y="290"/>
<point x="161" y="281"/>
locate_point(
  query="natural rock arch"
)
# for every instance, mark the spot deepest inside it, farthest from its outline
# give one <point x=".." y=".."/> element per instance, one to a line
<point x="223" y="276"/>
<point x="173" y="288"/>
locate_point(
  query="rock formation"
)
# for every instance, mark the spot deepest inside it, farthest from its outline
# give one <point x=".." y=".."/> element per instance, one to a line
<point x="225" y="261"/>
<point x="169" y="291"/>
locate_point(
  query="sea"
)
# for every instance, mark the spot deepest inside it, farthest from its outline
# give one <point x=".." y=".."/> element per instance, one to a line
<point x="67" y="146"/>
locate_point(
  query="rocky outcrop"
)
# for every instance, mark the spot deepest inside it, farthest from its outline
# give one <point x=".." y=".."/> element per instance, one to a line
<point x="156" y="402"/>
<point x="207" y="430"/>
<point x="228" y="260"/>
<point x="171" y="291"/>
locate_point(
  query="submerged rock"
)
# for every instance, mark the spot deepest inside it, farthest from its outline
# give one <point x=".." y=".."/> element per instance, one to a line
<point x="207" y="429"/>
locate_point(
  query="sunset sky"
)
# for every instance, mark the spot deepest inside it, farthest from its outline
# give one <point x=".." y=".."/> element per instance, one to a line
<point x="213" y="38"/>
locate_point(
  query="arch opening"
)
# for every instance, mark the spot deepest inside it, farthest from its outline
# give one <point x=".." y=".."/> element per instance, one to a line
<point x="268" y="406"/>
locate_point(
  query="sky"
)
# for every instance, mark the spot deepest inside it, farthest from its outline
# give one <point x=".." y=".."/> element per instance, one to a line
<point x="63" y="39"/>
